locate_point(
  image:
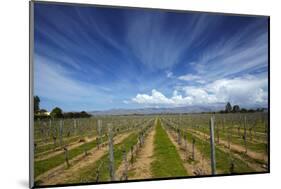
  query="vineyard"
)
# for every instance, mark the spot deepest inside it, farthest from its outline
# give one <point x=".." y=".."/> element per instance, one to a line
<point x="119" y="148"/>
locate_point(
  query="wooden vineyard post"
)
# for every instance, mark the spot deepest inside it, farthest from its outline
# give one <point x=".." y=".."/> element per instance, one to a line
<point x="185" y="146"/>
<point x="251" y="136"/>
<point x="240" y="125"/>
<point x="125" y="173"/>
<point x="255" y="132"/>
<point x="50" y="127"/>
<point x="75" y="125"/>
<point x="193" y="153"/>
<point x="223" y="122"/>
<point x="179" y="136"/>
<point x="142" y="138"/>
<point x="98" y="171"/>
<point x="61" y="130"/>
<point x="229" y="133"/>
<point x="43" y="131"/>
<point x="111" y="154"/>
<point x="218" y="134"/>
<point x="266" y="143"/>
<point x="66" y="156"/>
<point x="132" y="154"/>
<point x="245" y="133"/>
<point x="99" y="134"/>
<point x="179" y="133"/>
<point x="54" y="136"/>
<point x="212" y="142"/>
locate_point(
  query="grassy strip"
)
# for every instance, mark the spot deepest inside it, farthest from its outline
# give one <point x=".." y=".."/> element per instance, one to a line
<point x="223" y="159"/>
<point x="88" y="174"/>
<point x="42" y="166"/>
<point x="41" y="149"/>
<point x="238" y="140"/>
<point x="167" y="161"/>
<point x="242" y="154"/>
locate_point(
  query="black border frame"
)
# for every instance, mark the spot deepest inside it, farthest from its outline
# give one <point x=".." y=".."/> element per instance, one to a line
<point x="31" y="116"/>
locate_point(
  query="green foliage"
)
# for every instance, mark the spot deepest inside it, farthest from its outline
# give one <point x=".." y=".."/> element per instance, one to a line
<point x="56" y="113"/>
<point x="228" y="107"/>
<point x="236" y="108"/>
<point x="82" y="114"/>
<point x="36" y="100"/>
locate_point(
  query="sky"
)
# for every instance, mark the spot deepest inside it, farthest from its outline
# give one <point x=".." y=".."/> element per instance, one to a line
<point x="97" y="58"/>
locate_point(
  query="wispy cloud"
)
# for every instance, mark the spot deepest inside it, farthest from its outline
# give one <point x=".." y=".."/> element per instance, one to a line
<point x="99" y="58"/>
<point x="56" y="83"/>
<point x="243" y="52"/>
<point x="158" y="46"/>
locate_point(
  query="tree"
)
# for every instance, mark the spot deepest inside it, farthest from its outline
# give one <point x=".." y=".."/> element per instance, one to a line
<point x="228" y="108"/>
<point x="84" y="114"/>
<point x="36" y="103"/>
<point x="43" y="111"/>
<point x="236" y="108"/>
<point x="56" y="113"/>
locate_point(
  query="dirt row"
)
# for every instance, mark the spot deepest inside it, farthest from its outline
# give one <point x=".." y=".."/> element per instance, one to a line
<point x="234" y="147"/>
<point x="53" y="152"/>
<point x="140" y="169"/>
<point x="223" y="145"/>
<point x="199" y="167"/>
<point x="60" y="174"/>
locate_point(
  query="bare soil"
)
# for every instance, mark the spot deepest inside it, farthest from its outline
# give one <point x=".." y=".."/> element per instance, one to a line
<point x="59" y="150"/>
<point x="201" y="165"/>
<point x="61" y="174"/>
<point x="236" y="147"/>
<point x="223" y="145"/>
<point x="141" y="167"/>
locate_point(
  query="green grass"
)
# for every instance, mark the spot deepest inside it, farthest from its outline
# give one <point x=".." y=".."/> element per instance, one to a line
<point x="222" y="158"/>
<point x="88" y="174"/>
<point x="47" y="164"/>
<point x="50" y="146"/>
<point x="167" y="161"/>
<point x="235" y="139"/>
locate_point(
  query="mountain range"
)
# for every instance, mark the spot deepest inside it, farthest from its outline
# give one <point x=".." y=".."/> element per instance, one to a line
<point x="171" y="110"/>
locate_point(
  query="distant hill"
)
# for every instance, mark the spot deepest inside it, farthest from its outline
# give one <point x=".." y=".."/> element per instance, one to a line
<point x="189" y="109"/>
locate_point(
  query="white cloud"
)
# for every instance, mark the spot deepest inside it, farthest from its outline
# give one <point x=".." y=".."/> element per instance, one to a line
<point x="189" y="77"/>
<point x="192" y="77"/>
<point x="155" y="98"/>
<point x="169" y="74"/>
<point x="245" y="91"/>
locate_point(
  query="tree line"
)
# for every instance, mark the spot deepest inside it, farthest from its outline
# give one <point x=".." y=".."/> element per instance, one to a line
<point x="56" y="112"/>
<point x="237" y="109"/>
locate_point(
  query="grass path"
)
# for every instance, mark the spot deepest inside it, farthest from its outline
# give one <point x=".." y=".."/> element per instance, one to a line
<point x="167" y="162"/>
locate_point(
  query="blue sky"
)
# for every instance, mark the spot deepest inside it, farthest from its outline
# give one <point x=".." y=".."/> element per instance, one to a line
<point x="88" y="58"/>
